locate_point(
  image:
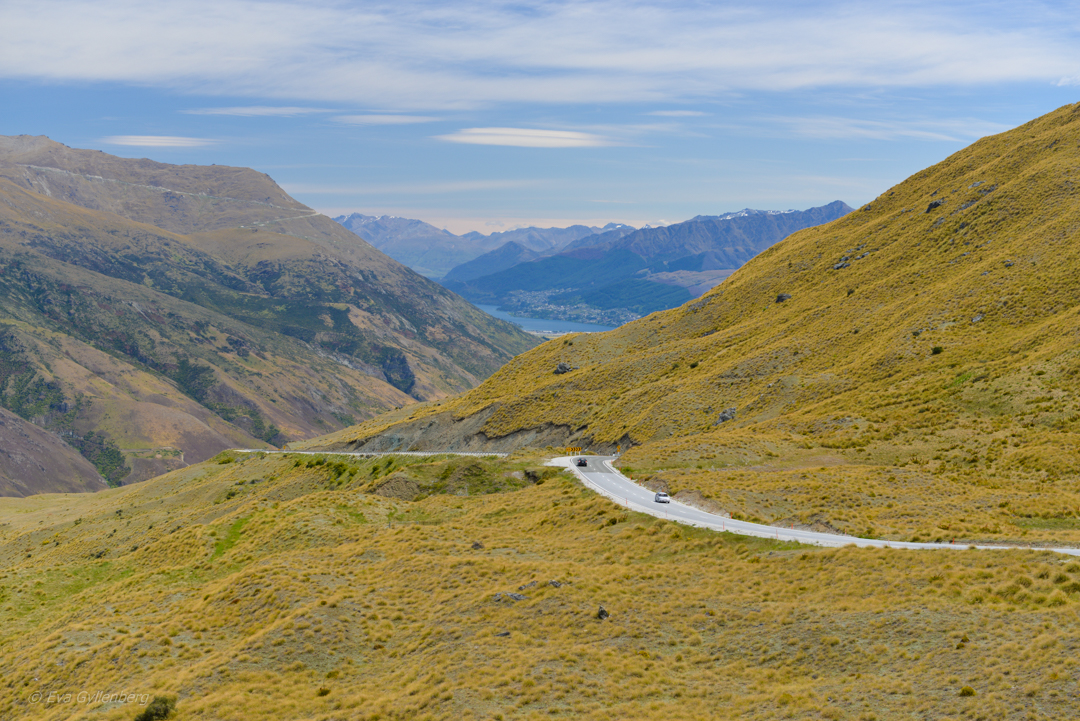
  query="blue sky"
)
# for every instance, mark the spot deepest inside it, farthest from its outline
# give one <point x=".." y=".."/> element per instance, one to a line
<point x="486" y="115"/>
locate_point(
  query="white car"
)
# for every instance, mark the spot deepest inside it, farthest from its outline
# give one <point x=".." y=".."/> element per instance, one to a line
<point x="662" y="497"/>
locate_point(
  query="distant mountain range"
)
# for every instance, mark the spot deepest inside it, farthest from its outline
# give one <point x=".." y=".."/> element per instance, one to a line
<point x="514" y="252"/>
<point x="622" y="274"/>
<point x="152" y="315"/>
<point x="434" y="252"/>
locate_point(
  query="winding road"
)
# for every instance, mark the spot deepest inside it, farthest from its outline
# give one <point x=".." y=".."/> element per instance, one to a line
<point x="603" y="478"/>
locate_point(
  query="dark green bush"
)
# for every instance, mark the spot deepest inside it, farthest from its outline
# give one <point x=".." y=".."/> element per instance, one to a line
<point x="162" y="707"/>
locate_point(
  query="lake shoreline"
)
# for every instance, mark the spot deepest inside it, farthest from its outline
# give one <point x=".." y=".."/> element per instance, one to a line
<point x="544" y="327"/>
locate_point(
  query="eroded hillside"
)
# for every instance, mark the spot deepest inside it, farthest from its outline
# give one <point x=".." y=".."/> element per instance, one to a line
<point x="174" y="311"/>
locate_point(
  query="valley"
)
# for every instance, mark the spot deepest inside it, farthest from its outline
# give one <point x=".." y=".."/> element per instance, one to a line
<point x="623" y="274"/>
<point x="874" y="374"/>
<point x="904" y="375"/>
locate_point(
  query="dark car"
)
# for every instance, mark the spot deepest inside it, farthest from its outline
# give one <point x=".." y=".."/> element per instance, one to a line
<point x="580" y="462"/>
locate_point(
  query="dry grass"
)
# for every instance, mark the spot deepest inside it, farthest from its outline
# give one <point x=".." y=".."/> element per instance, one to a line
<point x="264" y="589"/>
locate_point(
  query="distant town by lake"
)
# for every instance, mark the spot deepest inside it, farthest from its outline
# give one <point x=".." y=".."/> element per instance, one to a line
<point x="542" y="325"/>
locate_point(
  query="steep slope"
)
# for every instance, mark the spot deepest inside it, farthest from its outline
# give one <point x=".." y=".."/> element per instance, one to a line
<point x="180" y="344"/>
<point x="934" y="329"/>
<point x="611" y="271"/>
<point x="505" y="256"/>
<point x="428" y="250"/>
<point x="33" y="460"/>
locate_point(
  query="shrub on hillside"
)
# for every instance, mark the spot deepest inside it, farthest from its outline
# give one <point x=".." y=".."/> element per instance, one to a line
<point x="162" y="707"/>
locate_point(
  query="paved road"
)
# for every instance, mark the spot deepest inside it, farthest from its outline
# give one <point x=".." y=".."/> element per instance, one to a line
<point x="603" y="478"/>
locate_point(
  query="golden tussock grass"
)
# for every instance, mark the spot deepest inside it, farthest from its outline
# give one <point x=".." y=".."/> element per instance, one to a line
<point x="265" y="587"/>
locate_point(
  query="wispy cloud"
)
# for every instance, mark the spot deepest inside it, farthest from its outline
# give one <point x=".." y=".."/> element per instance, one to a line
<point x="951" y="130"/>
<point x="157" y="141"/>
<point x="526" y="138"/>
<point x="678" y="113"/>
<point x="383" y="119"/>
<point x="439" y="188"/>
<point x="250" y="111"/>
<point x="419" y="55"/>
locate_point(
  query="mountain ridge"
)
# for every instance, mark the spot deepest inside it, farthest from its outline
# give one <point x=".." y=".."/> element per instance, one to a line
<point x="612" y="272"/>
<point x="239" y="319"/>
<point x="434" y="252"/>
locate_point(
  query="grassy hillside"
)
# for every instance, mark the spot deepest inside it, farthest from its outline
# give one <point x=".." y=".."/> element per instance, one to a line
<point x="175" y="311"/>
<point x="306" y="587"/>
<point x="909" y="369"/>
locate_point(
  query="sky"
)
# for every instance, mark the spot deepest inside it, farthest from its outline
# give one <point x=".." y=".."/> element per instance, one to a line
<point x="485" y="116"/>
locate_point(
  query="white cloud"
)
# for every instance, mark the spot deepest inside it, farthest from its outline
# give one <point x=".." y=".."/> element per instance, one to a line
<point x="383" y="119"/>
<point x="526" y="138"/>
<point x="157" y="141"/>
<point x="678" y="113"/>
<point x="250" y="111"/>
<point x="417" y="55"/>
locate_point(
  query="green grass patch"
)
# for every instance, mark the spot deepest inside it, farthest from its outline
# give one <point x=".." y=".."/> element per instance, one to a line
<point x="356" y="516"/>
<point x="232" y="536"/>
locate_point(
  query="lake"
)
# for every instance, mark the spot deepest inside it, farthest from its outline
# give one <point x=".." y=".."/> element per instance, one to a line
<point x="539" y="324"/>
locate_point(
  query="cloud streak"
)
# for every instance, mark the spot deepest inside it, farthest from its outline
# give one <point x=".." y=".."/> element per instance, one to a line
<point x="157" y="141"/>
<point x="424" y="55"/>
<point x="526" y="138"/>
<point x="678" y="113"/>
<point x="840" y="128"/>
<point x="383" y="119"/>
<point x="254" y="111"/>
<point x="382" y="189"/>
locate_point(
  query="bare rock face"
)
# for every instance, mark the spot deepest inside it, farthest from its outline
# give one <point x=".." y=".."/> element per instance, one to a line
<point x="33" y="460"/>
<point x="726" y="415"/>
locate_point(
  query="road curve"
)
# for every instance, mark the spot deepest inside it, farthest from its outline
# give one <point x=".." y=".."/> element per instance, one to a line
<point x="603" y="478"/>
